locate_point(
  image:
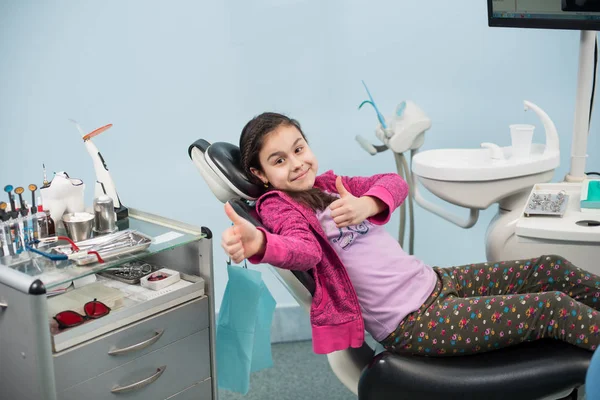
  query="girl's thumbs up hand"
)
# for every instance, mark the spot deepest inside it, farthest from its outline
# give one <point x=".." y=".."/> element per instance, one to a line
<point x="339" y="185"/>
<point x="351" y="210"/>
<point x="242" y="240"/>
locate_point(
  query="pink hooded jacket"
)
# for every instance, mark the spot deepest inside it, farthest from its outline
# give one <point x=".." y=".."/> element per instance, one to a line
<point x="296" y="241"/>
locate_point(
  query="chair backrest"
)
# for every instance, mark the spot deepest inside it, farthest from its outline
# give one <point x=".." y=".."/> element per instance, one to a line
<point x="219" y="165"/>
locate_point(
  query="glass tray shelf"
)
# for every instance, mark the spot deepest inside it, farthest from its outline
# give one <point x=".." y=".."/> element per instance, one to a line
<point x="166" y="234"/>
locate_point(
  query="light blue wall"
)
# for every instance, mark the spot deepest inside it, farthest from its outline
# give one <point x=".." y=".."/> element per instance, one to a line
<point x="166" y="73"/>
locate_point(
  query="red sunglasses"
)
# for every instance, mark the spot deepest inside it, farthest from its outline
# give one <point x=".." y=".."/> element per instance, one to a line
<point x="93" y="309"/>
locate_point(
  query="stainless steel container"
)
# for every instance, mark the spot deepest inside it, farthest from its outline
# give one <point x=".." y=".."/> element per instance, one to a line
<point x="78" y="225"/>
<point x="105" y="219"/>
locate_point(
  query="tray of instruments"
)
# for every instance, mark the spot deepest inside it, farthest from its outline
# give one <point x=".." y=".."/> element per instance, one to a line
<point x="108" y="246"/>
<point x="546" y="203"/>
<point x="130" y="272"/>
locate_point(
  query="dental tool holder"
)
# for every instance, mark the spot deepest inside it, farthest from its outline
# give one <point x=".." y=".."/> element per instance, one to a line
<point x="16" y="232"/>
<point x="406" y="128"/>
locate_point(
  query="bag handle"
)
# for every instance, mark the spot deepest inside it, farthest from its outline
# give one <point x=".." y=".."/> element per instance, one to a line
<point x="229" y="260"/>
<point x="229" y="263"/>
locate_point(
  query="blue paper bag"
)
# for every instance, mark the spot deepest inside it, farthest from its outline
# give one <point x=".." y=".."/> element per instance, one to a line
<point x="261" y="353"/>
<point x="243" y="329"/>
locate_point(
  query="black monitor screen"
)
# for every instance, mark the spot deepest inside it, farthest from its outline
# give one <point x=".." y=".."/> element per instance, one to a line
<point x="545" y="14"/>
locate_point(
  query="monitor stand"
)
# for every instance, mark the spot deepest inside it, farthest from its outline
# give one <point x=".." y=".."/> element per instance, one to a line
<point x="583" y="104"/>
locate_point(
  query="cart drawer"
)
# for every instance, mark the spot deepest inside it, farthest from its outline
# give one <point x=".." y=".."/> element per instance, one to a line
<point x="157" y="375"/>
<point x="92" y="358"/>
<point x="200" y="391"/>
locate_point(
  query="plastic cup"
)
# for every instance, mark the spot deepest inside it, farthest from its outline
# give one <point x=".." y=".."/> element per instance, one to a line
<point x="521" y="136"/>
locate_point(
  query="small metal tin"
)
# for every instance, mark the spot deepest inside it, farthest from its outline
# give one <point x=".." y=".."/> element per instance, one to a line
<point x="105" y="219"/>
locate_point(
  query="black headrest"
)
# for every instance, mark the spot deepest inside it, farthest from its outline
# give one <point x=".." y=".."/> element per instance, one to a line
<point x="199" y="144"/>
<point x="224" y="158"/>
<point x="227" y="157"/>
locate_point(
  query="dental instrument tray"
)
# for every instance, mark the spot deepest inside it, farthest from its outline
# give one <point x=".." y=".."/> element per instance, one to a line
<point x="547" y="204"/>
<point x="130" y="272"/>
<point x="108" y="246"/>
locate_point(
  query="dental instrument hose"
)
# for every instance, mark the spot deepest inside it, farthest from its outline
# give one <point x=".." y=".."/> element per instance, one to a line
<point x="402" y="227"/>
<point x="411" y="206"/>
<point x="405" y="173"/>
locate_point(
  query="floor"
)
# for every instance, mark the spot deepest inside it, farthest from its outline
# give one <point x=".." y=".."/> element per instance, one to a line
<point x="298" y="374"/>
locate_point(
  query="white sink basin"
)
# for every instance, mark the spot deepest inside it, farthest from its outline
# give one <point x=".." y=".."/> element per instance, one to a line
<point x="471" y="178"/>
<point x="477" y="178"/>
<point x="478" y="165"/>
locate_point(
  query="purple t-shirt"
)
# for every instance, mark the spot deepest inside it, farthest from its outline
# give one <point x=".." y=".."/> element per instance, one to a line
<point x="389" y="283"/>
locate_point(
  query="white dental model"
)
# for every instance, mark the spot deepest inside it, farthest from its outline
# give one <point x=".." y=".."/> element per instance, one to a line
<point x="64" y="195"/>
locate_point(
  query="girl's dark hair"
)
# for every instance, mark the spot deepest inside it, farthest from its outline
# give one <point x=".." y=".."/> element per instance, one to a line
<point x="251" y="142"/>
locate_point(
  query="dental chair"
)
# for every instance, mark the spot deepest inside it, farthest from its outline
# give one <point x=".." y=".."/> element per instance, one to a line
<point x="545" y="369"/>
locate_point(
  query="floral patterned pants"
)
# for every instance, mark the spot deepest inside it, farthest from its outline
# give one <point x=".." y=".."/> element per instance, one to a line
<point x="481" y="307"/>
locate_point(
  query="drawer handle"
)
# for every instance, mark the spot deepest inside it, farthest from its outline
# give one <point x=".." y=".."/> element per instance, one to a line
<point x="140" y="384"/>
<point x="3" y="306"/>
<point x="139" y="346"/>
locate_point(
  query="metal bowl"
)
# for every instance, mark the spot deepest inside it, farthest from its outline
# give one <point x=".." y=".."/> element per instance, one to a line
<point x="78" y="225"/>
